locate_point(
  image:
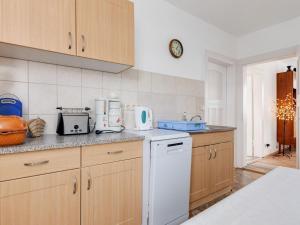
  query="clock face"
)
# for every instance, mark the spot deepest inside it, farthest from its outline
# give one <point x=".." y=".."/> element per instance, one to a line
<point x="176" y="48"/>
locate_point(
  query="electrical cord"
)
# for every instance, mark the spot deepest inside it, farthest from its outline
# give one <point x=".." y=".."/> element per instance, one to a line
<point x="109" y="131"/>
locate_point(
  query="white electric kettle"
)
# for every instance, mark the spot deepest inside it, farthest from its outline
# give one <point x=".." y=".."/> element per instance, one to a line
<point x="143" y="118"/>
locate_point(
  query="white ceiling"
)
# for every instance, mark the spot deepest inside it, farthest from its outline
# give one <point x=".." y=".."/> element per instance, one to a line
<point x="240" y="17"/>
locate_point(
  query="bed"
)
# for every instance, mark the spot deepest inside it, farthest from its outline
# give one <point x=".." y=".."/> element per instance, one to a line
<point x="273" y="199"/>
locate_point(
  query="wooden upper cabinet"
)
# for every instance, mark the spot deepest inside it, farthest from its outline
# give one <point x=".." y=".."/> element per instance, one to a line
<point x="105" y="30"/>
<point x="41" y="24"/>
<point x="222" y="166"/>
<point x="52" y="199"/>
<point x="111" y="193"/>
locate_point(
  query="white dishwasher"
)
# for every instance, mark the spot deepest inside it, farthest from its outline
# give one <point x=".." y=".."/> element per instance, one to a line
<point x="170" y="169"/>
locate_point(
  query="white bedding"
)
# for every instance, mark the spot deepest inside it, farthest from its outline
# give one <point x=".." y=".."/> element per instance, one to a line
<point x="273" y="199"/>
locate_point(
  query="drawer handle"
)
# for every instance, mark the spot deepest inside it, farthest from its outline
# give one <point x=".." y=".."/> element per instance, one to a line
<point x="115" y="153"/>
<point x="83" y="43"/>
<point x="37" y="163"/>
<point x="210" y="154"/>
<point x="89" y="183"/>
<point x="215" y="153"/>
<point x="70" y="40"/>
<point x="75" y="185"/>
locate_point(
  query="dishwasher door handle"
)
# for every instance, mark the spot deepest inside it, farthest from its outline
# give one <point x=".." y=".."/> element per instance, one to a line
<point x="175" y="144"/>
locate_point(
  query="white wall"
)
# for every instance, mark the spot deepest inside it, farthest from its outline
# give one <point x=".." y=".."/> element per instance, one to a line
<point x="277" y="37"/>
<point x="157" y="22"/>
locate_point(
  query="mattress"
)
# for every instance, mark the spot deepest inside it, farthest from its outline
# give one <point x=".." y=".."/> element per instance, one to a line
<point x="274" y="199"/>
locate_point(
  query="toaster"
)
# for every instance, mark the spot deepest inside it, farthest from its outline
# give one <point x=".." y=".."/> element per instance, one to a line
<point x="73" y="121"/>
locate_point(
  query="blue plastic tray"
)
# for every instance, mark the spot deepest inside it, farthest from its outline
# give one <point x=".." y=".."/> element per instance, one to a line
<point x="181" y="125"/>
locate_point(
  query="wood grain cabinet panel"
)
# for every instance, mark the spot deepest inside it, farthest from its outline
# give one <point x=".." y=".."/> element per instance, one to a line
<point x="52" y="199"/>
<point x="212" y="167"/>
<point x="200" y="173"/>
<point x="212" y="138"/>
<point x="13" y="166"/>
<point x="222" y="166"/>
<point x="111" y="193"/>
<point x="105" y="30"/>
<point x="106" y="153"/>
<point x="42" y="24"/>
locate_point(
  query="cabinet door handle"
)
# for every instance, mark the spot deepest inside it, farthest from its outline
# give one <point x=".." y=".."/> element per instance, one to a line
<point x="70" y="41"/>
<point x="83" y="43"/>
<point x="210" y="154"/>
<point x="115" y="153"/>
<point x="75" y="185"/>
<point x="89" y="183"/>
<point x="215" y="153"/>
<point x="37" y="163"/>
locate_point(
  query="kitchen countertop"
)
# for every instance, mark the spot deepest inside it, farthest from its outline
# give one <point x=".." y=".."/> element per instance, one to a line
<point x="213" y="129"/>
<point x="52" y="141"/>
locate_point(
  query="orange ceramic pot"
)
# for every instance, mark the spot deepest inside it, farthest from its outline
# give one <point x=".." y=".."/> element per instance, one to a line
<point x="12" y="130"/>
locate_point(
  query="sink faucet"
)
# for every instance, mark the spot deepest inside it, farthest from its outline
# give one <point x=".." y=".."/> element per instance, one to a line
<point x="196" y="116"/>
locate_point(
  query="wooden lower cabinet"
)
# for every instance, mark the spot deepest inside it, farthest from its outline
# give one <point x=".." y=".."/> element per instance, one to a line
<point x="56" y="190"/>
<point x="52" y="199"/>
<point x="200" y="175"/>
<point x="212" y="172"/>
<point x="222" y="166"/>
<point x="111" y="193"/>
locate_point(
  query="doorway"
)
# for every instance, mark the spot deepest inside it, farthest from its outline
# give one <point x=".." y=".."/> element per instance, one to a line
<point x="263" y="139"/>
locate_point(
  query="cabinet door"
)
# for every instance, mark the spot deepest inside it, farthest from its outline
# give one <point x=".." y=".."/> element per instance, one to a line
<point x="222" y="166"/>
<point x="111" y="193"/>
<point x="41" y="24"/>
<point x="200" y="173"/>
<point x="52" y="199"/>
<point x="105" y="30"/>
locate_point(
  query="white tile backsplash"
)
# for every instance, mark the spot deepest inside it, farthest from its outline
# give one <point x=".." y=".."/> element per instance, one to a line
<point x="112" y="81"/>
<point x="42" y="73"/>
<point x="69" y="97"/>
<point x="91" y="79"/>
<point x="13" y="70"/>
<point x="106" y="93"/>
<point x="68" y="76"/>
<point x="144" y="81"/>
<point x="42" y="87"/>
<point x="163" y="84"/>
<point x="88" y="97"/>
<point x="129" y="80"/>
<point x="19" y="89"/>
<point x="129" y="97"/>
<point x="42" y="98"/>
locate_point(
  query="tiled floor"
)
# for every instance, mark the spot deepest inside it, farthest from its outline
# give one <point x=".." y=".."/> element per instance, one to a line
<point x="241" y="179"/>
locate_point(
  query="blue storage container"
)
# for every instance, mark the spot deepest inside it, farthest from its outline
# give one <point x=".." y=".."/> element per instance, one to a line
<point x="181" y="125"/>
<point x="10" y="105"/>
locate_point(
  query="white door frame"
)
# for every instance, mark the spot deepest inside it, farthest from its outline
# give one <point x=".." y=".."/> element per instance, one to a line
<point x="230" y="64"/>
<point x="230" y="107"/>
<point x="241" y="133"/>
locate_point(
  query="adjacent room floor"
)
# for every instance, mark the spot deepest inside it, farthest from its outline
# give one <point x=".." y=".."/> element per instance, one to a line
<point x="241" y="179"/>
<point x="266" y="164"/>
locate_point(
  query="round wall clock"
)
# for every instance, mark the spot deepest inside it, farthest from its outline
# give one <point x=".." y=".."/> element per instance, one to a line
<point x="176" y="48"/>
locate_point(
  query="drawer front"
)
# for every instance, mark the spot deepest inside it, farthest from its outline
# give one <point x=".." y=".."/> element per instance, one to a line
<point x="212" y="138"/>
<point x="99" y="154"/>
<point x="20" y="165"/>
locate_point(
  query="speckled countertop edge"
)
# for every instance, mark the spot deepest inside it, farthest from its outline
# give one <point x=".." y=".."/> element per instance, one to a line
<point x="51" y="142"/>
<point x="213" y="129"/>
